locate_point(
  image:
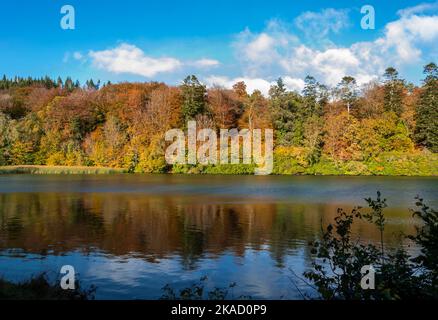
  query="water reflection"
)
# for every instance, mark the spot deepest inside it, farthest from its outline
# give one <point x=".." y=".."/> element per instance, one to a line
<point x="156" y="227"/>
<point x="132" y="243"/>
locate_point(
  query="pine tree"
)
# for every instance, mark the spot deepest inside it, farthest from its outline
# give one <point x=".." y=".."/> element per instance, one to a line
<point x="287" y="114"/>
<point x="313" y="102"/>
<point x="59" y="83"/>
<point x="347" y="91"/>
<point x="426" y="131"/>
<point x="394" y="91"/>
<point x="4" y="83"/>
<point x="90" y="85"/>
<point x="194" y="98"/>
<point x="69" y="85"/>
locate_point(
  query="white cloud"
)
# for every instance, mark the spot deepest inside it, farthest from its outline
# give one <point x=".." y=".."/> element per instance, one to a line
<point x="404" y="38"/>
<point x="260" y="51"/>
<point x="256" y="51"/>
<point x="276" y="50"/>
<point x="260" y="48"/>
<point x="278" y="53"/>
<point x="251" y="84"/>
<point x="293" y="84"/>
<point x="128" y="58"/>
<point x="421" y="8"/>
<point x="77" y="55"/>
<point x="206" y="63"/>
<point x="254" y="83"/>
<point x="320" y="24"/>
<point x="289" y="50"/>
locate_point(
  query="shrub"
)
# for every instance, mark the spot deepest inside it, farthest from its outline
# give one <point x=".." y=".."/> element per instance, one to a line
<point x="336" y="272"/>
<point x="40" y="288"/>
<point x="197" y="292"/>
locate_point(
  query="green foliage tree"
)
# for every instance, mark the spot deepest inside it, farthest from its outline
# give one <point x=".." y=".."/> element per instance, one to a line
<point x="384" y="134"/>
<point x="89" y="85"/>
<point x="69" y="84"/>
<point x="314" y="97"/>
<point x="194" y="95"/>
<point x="426" y="131"/>
<point x="348" y="92"/>
<point x="313" y="138"/>
<point x="47" y="82"/>
<point x="393" y="91"/>
<point x="287" y="114"/>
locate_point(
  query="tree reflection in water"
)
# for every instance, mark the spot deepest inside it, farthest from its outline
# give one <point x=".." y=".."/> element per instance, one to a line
<point x="156" y="227"/>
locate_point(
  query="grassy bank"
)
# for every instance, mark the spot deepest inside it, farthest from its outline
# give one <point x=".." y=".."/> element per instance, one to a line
<point x="287" y="161"/>
<point x="386" y="164"/>
<point x="28" y="169"/>
<point x="290" y="162"/>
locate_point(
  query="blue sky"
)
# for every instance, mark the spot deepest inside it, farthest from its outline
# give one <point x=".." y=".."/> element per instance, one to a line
<point x="220" y="41"/>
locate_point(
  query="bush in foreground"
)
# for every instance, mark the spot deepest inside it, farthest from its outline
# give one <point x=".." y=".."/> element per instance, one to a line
<point x="40" y="288"/>
<point x="336" y="272"/>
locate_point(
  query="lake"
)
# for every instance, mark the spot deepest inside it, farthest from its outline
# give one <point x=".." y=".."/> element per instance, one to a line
<point x="130" y="235"/>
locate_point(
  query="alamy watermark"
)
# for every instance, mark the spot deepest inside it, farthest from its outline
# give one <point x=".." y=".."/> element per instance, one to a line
<point x="368" y="279"/>
<point x="68" y="20"/>
<point x="369" y="19"/>
<point x="202" y="147"/>
<point x="68" y="281"/>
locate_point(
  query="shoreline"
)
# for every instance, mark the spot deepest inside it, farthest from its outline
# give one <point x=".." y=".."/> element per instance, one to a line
<point x="40" y="169"/>
<point x="84" y="170"/>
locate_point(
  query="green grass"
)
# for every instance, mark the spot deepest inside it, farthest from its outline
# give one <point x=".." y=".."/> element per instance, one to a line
<point x="29" y="169"/>
<point x="386" y="164"/>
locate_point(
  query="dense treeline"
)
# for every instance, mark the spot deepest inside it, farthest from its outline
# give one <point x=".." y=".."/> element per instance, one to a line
<point x="388" y="127"/>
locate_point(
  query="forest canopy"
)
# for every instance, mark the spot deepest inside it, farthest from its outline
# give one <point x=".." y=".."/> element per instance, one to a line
<point x="388" y="127"/>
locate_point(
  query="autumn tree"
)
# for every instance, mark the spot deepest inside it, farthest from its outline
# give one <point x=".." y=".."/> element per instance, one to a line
<point x="43" y="121"/>
<point x="5" y="139"/>
<point x="341" y="142"/>
<point x="256" y="114"/>
<point x="240" y="89"/>
<point x="370" y="104"/>
<point x="162" y="111"/>
<point x="384" y="134"/>
<point x="410" y="104"/>
<point x="225" y="106"/>
<point x="13" y="103"/>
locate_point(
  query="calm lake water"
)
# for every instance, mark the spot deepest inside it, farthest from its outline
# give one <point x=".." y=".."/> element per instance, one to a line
<point x="132" y="234"/>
